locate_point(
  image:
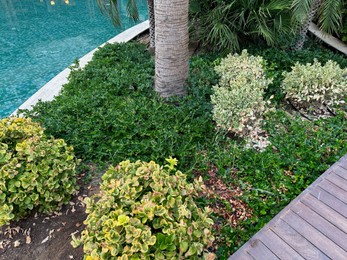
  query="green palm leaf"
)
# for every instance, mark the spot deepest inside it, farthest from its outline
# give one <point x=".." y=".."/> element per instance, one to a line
<point x="301" y="8"/>
<point x="111" y="9"/>
<point x="330" y="16"/>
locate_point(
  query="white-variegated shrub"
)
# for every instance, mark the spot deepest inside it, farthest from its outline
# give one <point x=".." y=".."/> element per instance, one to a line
<point x="312" y="85"/>
<point x="238" y="103"/>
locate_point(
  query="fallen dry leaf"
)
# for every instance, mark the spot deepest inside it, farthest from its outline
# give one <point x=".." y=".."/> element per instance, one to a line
<point x="72" y="234"/>
<point x="45" y="240"/>
<point x="16" y="243"/>
<point x="27" y="240"/>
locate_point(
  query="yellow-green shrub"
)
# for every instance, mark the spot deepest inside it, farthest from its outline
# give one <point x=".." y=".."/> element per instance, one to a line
<point x="313" y="84"/>
<point x="35" y="171"/>
<point x="145" y="211"/>
<point x="237" y="100"/>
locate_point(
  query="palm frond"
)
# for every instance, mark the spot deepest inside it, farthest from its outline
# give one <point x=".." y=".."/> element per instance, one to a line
<point x="110" y="8"/>
<point x="132" y="10"/>
<point x="300" y="9"/>
<point x="330" y="15"/>
<point x="277" y="5"/>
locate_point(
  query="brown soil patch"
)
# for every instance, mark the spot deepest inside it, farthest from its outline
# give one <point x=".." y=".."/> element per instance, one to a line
<point x="47" y="237"/>
<point x="237" y="210"/>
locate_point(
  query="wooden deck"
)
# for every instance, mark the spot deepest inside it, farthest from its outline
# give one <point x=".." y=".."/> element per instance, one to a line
<point x="328" y="39"/>
<point x="313" y="226"/>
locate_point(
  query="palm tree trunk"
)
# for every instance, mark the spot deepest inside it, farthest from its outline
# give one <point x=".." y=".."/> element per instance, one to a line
<point x="303" y="31"/>
<point x="151" y="24"/>
<point x="171" y="46"/>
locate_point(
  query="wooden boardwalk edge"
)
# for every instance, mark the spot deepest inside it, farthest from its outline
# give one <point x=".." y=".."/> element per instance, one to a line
<point x="287" y="225"/>
<point x="328" y="39"/>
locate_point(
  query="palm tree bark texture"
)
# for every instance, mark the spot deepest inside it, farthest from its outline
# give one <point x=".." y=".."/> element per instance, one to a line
<point x="151" y="23"/>
<point x="303" y="31"/>
<point x="171" y="47"/>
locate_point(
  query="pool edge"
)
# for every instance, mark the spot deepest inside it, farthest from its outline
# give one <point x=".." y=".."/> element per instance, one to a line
<point x="52" y="88"/>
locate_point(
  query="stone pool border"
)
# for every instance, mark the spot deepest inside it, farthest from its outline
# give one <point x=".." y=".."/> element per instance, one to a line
<point x="52" y="88"/>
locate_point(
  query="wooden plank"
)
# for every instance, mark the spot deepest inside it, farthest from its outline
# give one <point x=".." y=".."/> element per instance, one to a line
<point x="322" y="225"/>
<point x="278" y="246"/>
<point x="324" y="204"/>
<point x="334" y="190"/>
<point x="337" y="180"/>
<point x="343" y="162"/>
<point x="330" y="201"/>
<point x="339" y="170"/>
<point x="297" y="241"/>
<point x="327" y="38"/>
<point x="240" y="255"/>
<point x="324" y="244"/>
<point x="323" y="210"/>
<point x="259" y="251"/>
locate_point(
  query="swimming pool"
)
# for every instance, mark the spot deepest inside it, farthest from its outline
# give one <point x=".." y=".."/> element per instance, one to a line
<point x="39" y="38"/>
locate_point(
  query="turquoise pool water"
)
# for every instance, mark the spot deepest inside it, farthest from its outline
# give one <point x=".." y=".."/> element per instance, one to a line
<point x="39" y="38"/>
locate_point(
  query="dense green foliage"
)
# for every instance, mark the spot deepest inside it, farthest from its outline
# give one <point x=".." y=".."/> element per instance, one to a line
<point x="343" y="32"/>
<point x="238" y="103"/>
<point x="110" y="112"/>
<point x="327" y="16"/>
<point x="224" y="25"/>
<point x="35" y="171"/>
<point x="146" y="211"/>
<point x="227" y="25"/>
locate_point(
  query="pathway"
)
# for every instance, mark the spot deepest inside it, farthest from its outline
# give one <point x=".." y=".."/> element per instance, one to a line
<point x="312" y="226"/>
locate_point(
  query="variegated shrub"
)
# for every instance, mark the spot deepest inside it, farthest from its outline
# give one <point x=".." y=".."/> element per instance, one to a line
<point x="312" y="85"/>
<point x="35" y="171"/>
<point x="238" y="103"/>
<point x="145" y="211"/>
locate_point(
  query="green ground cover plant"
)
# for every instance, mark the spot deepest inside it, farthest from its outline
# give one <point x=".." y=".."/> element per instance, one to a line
<point x="109" y="113"/>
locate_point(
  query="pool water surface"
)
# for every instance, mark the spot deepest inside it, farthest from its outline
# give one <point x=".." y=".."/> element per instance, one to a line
<point x="40" y="38"/>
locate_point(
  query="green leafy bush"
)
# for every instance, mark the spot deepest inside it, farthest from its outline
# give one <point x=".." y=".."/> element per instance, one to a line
<point x="35" y="171"/>
<point x="225" y="25"/>
<point x="238" y="98"/>
<point x="109" y="112"/>
<point x="313" y="84"/>
<point x="145" y="211"/>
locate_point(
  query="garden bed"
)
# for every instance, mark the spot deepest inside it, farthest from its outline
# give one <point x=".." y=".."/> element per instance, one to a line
<point x="110" y="113"/>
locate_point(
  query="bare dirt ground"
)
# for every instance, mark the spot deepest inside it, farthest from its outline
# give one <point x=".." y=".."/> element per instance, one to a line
<point x="47" y="237"/>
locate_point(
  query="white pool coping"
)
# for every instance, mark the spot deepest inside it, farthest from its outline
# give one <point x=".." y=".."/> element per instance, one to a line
<point x="52" y="88"/>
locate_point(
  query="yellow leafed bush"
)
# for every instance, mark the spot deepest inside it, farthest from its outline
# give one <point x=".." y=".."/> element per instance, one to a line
<point x="35" y="171"/>
<point x="145" y="211"/>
